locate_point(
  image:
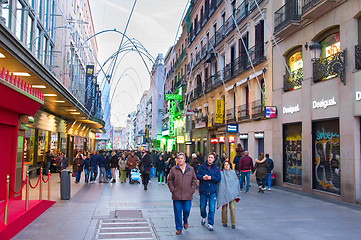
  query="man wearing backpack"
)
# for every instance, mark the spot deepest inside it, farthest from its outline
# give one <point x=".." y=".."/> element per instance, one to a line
<point x="269" y="171"/>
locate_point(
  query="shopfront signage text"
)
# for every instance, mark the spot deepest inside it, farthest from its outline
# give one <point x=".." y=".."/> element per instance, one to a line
<point x="180" y="139"/>
<point x="243" y="136"/>
<point x="291" y="109"/>
<point x="232" y="128"/>
<point x="214" y="140"/>
<point x="218" y="114"/>
<point x="221" y="139"/>
<point x="258" y="135"/>
<point x="324" y="103"/>
<point x="231" y="139"/>
<point x="358" y="96"/>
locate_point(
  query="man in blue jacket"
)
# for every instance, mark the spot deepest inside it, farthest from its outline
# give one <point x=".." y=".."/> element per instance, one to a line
<point x="209" y="176"/>
<point x="93" y="166"/>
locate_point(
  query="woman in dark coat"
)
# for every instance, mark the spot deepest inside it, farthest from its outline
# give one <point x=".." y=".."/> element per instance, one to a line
<point x="161" y="168"/>
<point x="145" y="164"/>
<point x="261" y="172"/>
<point x="78" y="166"/>
<point x="113" y="165"/>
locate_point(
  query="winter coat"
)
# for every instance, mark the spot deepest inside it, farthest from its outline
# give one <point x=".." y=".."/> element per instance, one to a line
<point x="114" y="161"/>
<point x="78" y="164"/>
<point x="93" y="160"/>
<point x="62" y="163"/>
<point x="101" y="160"/>
<point x="132" y="162"/>
<point x="145" y="163"/>
<point x="239" y="151"/>
<point x="270" y="165"/>
<point x="107" y="161"/>
<point x="182" y="185"/>
<point x="261" y="169"/>
<point x="87" y="163"/>
<point x="208" y="186"/>
<point x="245" y="164"/>
<point x="160" y="165"/>
<point x="122" y="164"/>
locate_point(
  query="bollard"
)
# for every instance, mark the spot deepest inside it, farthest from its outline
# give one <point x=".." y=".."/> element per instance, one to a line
<point x="49" y="185"/>
<point x="27" y="191"/>
<point x="40" y="183"/>
<point x="7" y="200"/>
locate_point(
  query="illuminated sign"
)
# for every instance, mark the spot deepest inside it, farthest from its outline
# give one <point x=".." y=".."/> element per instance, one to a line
<point x="258" y="135"/>
<point x="188" y="143"/>
<point x="172" y="98"/>
<point x="243" y="136"/>
<point x="270" y="112"/>
<point x="165" y="132"/>
<point x="222" y="139"/>
<point x="218" y="113"/>
<point x="291" y="109"/>
<point x="180" y="139"/>
<point x="231" y="139"/>
<point x="324" y="103"/>
<point x="358" y="96"/>
<point x="233" y="128"/>
<point x="214" y="140"/>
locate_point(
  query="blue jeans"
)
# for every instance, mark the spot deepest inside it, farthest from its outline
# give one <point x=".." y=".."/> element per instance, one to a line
<point x="94" y="173"/>
<point x="241" y="181"/>
<point x="77" y="176"/>
<point x="211" y="199"/>
<point x="268" y="180"/>
<point x="108" y="173"/>
<point x="86" y="172"/>
<point x="180" y="206"/>
<point x="102" y="177"/>
<point x="161" y="175"/>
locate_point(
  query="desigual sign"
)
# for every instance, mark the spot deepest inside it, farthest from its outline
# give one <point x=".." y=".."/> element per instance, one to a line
<point x="291" y="109"/>
<point x="324" y="103"/>
<point x="358" y="96"/>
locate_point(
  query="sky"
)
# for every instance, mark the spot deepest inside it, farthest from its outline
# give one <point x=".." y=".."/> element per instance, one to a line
<point x="154" y="23"/>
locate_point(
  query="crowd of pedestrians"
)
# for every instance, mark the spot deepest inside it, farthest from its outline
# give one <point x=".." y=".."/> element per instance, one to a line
<point x="220" y="182"/>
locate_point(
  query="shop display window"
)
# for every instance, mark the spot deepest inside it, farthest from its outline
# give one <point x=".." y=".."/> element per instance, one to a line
<point x="292" y="154"/>
<point x="29" y="146"/>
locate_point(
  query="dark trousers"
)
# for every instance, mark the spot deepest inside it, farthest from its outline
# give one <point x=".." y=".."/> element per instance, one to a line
<point x="145" y="178"/>
<point x="260" y="182"/>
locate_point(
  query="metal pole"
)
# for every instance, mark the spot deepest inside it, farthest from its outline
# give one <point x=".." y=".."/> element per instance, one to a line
<point x="40" y="183"/>
<point x="49" y="185"/>
<point x="7" y="200"/>
<point x="27" y="191"/>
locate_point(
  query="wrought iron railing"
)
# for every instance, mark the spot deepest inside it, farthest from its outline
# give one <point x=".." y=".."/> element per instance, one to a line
<point x="257" y="109"/>
<point x="197" y="92"/>
<point x="256" y="54"/>
<point x="242" y="11"/>
<point x="243" y="112"/>
<point x="252" y="3"/>
<point x="286" y="14"/>
<point x="307" y="4"/>
<point x="231" y="115"/>
<point x="234" y="68"/>
<point x="358" y="57"/>
<point x="293" y="81"/>
<point x="330" y="66"/>
<point x="213" y="81"/>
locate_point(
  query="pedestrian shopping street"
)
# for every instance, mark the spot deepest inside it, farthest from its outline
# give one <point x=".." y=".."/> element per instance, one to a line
<point x="276" y="214"/>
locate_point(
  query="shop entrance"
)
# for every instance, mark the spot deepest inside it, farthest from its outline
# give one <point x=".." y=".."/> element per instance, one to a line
<point x="6" y="146"/>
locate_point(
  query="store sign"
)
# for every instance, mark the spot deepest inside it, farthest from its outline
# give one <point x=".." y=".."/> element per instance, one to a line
<point x="291" y="109"/>
<point x="231" y="139"/>
<point x="200" y="124"/>
<point x="218" y="113"/>
<point x="324" y="103"/>
<point x="258" y="135"/>
<point x="358" y="96"/>
<point x="233" y="128"/>
<point x="172" y="98"/>
<point x="89" y="86"/>
<point x="214" y="140"/>
<point x="243" y="136"/>
<point x="188" y="143"/>
<point x="180" y="139"/>
<point x="165" y="132"/>
<point x="190" y="112"/>
<point x="270" y="112"/>
<point x="222" y="139"/>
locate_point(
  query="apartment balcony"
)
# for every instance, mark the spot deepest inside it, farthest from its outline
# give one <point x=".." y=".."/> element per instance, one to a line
<point x="235" y="68"/>
<point x="293" y="81"/>
<point x="243" y="112"/>
<point x="287" y="19"/>
<point x="197" y="92"/>
<point x="329" y="67"/>
<point x="242" y="11"/>
<point x="257" y="109"/>
<point x="252" y="4"/>
<point x="229" y="25"/>
<point x="213" y="82"/>
<point x="311" y="9"/>
<point x="231" y="115"/>
<point x="358" y="57"/>
<point x="256" y="54"/>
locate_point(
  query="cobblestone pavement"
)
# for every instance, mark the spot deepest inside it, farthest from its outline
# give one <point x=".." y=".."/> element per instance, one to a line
<point x="276" y="214"/>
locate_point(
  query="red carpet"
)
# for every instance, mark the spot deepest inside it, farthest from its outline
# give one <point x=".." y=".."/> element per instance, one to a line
<point x="19" y="218"/>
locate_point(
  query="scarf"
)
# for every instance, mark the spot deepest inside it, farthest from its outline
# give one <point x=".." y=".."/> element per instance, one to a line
<point x="228" y="188"/>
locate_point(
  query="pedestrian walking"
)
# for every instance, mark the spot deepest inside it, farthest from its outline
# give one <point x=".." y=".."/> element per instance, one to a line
<point x="245" y="167"/>
<point x="122" y="168"/>
<point x="101" y="161"/>
<point x="93" y="167"/>
<point x="145" y="165"/>
<point x="182" y="184"/>
<point x="78" y="166"/>
<point x="87" y="168"/>
<point x="113" y="165"/>
<point x="161" y="168"/>
<point x="209" y="176"/>
<point x="239" y="154"/>
<point x="108" y="172"/>
<point x="228" y="194"/>
<point x="49" y="158"/>
<point x="261" y="172"/>
<point x="133" y="162"/>
<point x="269" y="171"/>
<point x="62" y="163"/>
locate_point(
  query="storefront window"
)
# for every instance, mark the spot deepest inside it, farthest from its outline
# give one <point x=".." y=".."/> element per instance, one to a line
<point x="326" y="156"/>
<point x="294" y="74"/>
<point x="54" y="141"/>
<point x="29" y="146"/>
<point x="330" y="45"/>
<point x="43" y="143"/>
<point x="292" y="154"/>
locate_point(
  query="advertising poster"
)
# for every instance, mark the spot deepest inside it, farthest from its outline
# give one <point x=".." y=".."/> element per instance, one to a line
<point x="326" y="156"/>
<point x="218" y="112"/>
<point x="292" y="154"/>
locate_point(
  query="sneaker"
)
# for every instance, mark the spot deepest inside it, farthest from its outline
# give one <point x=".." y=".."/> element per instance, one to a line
<point x="225" y="225"/>
<point x="210" y="227"/>
<point x="203" y="221"/>
<point x="269" y="189"/>
<point x="162" y="183"/>
<point x="233" y="226"/>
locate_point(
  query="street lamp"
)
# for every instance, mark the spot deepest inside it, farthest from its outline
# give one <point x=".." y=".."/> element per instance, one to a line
<point x="315" y="51"/>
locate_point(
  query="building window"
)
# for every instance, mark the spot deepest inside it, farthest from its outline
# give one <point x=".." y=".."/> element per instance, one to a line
<point x="29" y="32"/>
<point x="294" y="74"/>
<point x="19" y="20"/>
<point x="4" y="15"/>
<point x="40" y="9"/>
<point x="292" y="153"/>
